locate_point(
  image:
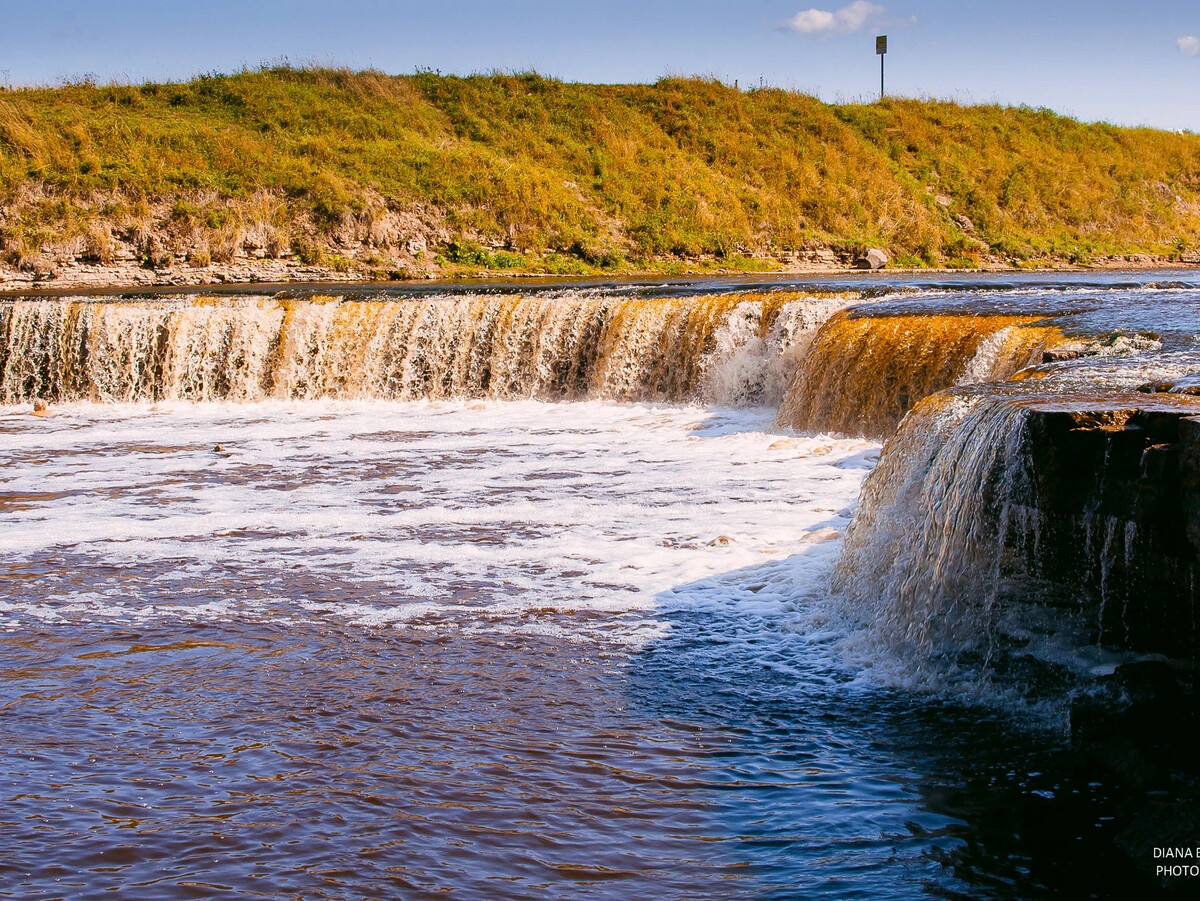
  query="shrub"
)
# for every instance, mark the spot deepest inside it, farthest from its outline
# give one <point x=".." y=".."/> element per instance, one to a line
<point x="97" y="245"/>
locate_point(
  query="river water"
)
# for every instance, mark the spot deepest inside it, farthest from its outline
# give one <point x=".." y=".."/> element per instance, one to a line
<point x="487" y="648"/>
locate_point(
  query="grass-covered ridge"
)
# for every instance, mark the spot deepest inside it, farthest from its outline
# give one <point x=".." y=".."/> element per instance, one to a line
<point x="520" y="171"/>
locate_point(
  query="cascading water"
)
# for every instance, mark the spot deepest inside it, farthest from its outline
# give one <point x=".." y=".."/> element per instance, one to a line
<point x="867" y="367"/>
<point x="732" y="348"/>
<point x="922" y="556"/>
<point x="756" y="352"/>
<point x="1001" y="519"/>
<point x="1003" y="353"/>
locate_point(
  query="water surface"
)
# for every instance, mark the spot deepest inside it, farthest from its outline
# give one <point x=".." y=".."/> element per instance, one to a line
<point x="355" y="646"/>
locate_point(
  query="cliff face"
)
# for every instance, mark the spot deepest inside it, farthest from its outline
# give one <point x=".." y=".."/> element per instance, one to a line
<point x="303" y="173"/>
<point x="1111" y="504"/>
<point x="988" y="506"/>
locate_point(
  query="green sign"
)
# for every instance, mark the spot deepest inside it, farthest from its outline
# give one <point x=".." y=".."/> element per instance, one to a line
<point x="881" y="44"/>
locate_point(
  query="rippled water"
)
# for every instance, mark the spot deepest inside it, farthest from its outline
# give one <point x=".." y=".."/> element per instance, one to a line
<point x="478" y="647"/>
<point x="486" y="650"/>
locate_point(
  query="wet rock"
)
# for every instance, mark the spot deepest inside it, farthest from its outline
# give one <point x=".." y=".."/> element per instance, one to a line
<point x="1060" y="354"/>
<point x="1109" y="506"/>
<point x="872" y="259"/>
<point x="1189" y="478"/>
<point x="1144" y="703"/>
<point x="1120" y="344"/>
<point x="1186" y="385"/>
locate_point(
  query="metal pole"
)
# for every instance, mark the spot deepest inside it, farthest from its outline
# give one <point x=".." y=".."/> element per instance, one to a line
<point x="881" y="49"/>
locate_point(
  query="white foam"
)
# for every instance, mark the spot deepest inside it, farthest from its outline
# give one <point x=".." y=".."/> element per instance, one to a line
<point x="591" y="518"/>
<point x="749" y="366"/>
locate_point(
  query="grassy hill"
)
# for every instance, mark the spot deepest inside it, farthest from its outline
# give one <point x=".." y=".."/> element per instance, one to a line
<point x="396" y="174"/>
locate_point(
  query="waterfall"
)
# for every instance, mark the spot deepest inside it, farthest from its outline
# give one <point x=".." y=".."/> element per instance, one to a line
<point x="866" y="369"/>
<point x="997" y="516"/>
<point x="991" y="488"/>
<point x="739" y="347"/>
<point x="756" y="353"/>
<point x="922" y="558"/>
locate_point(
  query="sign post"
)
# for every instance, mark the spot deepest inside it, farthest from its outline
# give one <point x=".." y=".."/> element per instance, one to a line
<point x="880" y="50"/>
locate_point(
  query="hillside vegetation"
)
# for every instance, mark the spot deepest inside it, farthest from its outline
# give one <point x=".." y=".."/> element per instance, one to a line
<point x="399" y="174"/>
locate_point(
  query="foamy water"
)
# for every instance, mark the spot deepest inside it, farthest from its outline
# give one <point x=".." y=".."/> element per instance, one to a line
<point x="438" y="515"/>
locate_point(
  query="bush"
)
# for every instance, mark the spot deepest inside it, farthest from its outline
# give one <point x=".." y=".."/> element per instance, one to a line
<point x="199" y="257"/>
<point x="97" y="245"/>
<point x="306" y="250"/>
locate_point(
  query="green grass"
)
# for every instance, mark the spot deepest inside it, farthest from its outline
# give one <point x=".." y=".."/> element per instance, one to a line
<point x="524" y="172"/>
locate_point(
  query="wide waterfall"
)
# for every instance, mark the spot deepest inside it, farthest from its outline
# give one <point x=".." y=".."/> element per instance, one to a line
<point x="734" y="347"/>
<point x="959" y="512"/>
<point x="855" y="372"/>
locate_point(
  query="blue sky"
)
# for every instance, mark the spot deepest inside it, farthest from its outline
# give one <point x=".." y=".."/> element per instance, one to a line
<point x="1128" y="63"/>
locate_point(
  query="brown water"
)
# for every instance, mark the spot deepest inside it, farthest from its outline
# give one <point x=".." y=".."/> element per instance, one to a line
<point x="889" y="362"/>
<point x="555" y="345"/>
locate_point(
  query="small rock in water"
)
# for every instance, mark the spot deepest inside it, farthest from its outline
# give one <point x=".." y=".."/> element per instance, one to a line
<point x="1059" y="354"/>
<point x="720" y="541"/>
<point x="872" y="259"/>
<point x="1186" y="385"/>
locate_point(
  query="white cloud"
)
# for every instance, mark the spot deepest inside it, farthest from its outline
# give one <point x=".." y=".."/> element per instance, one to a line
<point x="813" y="20"/>
<point x="855" y="16"/>
<point x="847" y="19"/>
<point x="1189" y="44"/>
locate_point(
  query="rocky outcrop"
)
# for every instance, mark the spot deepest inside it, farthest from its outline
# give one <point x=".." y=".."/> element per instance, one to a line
<point x="1110" y="504"/>
<point x="992" y="510"/>
<point x="198" y="239"/>
<point x="872" y="259"/>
